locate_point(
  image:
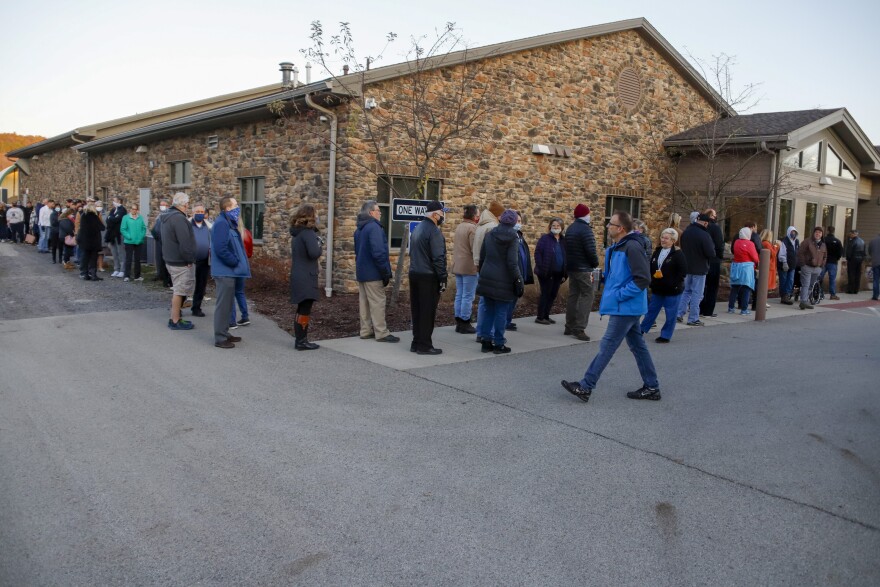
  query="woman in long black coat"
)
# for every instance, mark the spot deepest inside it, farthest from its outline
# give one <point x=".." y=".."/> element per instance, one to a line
<point x="89" y="241"/>
<point x="305" y="250"/>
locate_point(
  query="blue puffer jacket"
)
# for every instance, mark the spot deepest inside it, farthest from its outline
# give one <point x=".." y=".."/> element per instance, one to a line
<point x="228" y="258"/>
<point x="626" y="278"/>
<point x="371" y="251"/>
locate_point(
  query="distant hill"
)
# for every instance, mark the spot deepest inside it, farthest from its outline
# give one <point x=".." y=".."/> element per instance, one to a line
<point x="10" y="141"/>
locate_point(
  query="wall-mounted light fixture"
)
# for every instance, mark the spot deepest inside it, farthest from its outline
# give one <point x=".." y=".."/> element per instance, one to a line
<point x="370" y="103"/>
<point x="824" y="180"/>
<point x="141" y="149"/>
<point x="554" y="150"/>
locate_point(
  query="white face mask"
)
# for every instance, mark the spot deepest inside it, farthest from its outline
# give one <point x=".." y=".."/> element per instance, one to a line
<point x="163" y="208"/>
<point x="517" y="227"/>
<point x="556" y="230"/>
<point x="99" y="208"/>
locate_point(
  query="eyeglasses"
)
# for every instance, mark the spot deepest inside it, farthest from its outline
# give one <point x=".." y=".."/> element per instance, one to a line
<point x="612" y="224"/>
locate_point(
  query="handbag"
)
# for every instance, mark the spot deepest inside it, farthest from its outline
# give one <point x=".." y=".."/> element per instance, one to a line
<point x="30" y="239"/>
<point x="69" y="241"/>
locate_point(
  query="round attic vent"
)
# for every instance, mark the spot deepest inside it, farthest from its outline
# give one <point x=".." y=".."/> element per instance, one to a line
<point x="629" y="89"/>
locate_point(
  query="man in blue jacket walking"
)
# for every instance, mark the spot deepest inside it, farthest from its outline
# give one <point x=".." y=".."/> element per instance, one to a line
<point x="625" y="300"/>
<point x="228" y="262"/>
<point x="373" y="272"/>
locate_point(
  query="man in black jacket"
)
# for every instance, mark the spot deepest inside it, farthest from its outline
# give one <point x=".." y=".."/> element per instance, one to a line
<point x="427" y="277"/>
<point x="835" y="251"/>
<point x="580" y="260"/>
<point x="713" y="278"/>
<point x="855" y="255"/>
<point x="179" y="252"/>
<point x="698" y="249"/>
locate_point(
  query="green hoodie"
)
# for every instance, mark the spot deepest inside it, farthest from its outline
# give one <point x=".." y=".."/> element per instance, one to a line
<point x="133" y="230"/>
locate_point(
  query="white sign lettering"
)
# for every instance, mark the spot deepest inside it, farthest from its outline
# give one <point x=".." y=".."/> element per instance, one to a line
<point x="407" y="209"/>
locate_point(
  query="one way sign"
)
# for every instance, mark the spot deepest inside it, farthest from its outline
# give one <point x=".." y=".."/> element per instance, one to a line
<point x="408" y="210"/>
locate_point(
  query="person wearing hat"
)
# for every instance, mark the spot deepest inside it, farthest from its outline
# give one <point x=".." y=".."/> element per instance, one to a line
<point x="500" y="284"/>
<point x="698" y="249"/>
<point x="488" y="221"/>
<point x="855" y="256"/>
<point x="786" y="264"/>
<point x="427" y="277"/>
<point x="580" y="261"/>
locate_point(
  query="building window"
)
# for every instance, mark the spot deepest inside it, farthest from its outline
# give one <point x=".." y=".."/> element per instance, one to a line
<point x="612" y="203"/>
<point x="253" y="205"/>
<point x="835" y="165"/>
<point x="808" y="159"/>
<point x="827" y="216"/>
<point x="785" y="214"/>
<point x="180" y="173"/>
<point x="847" y="225"/>
<point x="389" y="187"/>
<point x="810" y="222"/>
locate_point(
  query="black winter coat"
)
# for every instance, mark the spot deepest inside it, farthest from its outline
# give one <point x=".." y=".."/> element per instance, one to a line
<point x="698" y="248"/>
<point x="305" y="250"/>
<point x="90" y="227"/>
<point x="674" y="270"/>
<point x="499" y="265"/>
<point x="717" y="240"/>
<point x="580" y="247"/>
<point x="65" y="228"/>
<point x="834" y="247"/>
<point x="427" y="251"/>
<point x="53" y="223"/>
<point x="114" y="222"/>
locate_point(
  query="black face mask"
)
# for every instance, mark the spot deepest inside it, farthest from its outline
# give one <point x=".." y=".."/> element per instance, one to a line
<point x="440" y="220"/>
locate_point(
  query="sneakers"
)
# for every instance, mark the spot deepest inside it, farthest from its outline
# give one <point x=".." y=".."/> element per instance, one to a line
<point x="745" y="312"/>
<point x="244" y="321"/>
<point x="680" y="319"/>
<point x="581" y="335"/>
<point x="180" y="325"/>
<point x="501" y="350"/>
<point x="731" y="310"/>
<point x="660" y="339"/>
<point x="511" y="326"/>
<point x="645" y="392"/>
<point x="834" y="297"/>
<point x="389" y="338"/>
<point x="233" y="326"/>
<point x="487" y="347"/>
<point x="575" y="389"/>
<point x="806" y="306"/>
<point x="126" y="279"/>
<point x="544" y="321"/>
<point x="696" y="323"/>
<point x="552" y="321"/>
<point x="141" y="279"/>
<point x="226" y="344"/>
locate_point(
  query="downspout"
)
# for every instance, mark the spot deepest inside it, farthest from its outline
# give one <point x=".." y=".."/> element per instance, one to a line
<point x="774" y="182"/>
<point x="331" y="195"/>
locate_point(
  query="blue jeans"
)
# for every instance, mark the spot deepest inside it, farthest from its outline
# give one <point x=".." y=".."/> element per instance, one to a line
<point x="510" y="311"/>
<point x="876" y="292"/>
<point x="239" y="297"/>
<point x="786" y="282"/>
<point x="831" y="270"/>
<point x="620" y="327"/>
<point x="492" y="320"/>
<point x="668" y="303"/>
<point x="692" y="296"/>
<point x="43" y="244"/>
<point x="465" y="286"/>
<point x="740" y="293"/>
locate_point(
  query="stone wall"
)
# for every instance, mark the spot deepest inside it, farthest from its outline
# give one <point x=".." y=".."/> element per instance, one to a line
<point x="560" y="95"/>
<point x="58" y="174"/>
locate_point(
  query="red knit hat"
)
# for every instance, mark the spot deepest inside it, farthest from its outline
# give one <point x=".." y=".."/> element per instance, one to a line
<point x="581" y="210"/>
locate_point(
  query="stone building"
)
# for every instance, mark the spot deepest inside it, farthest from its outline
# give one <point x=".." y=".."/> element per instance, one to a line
<point x="573" y="110"/>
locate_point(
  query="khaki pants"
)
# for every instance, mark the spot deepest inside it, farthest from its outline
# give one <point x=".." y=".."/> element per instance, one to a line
<point x="372" y="309"/>
<point x="580" y="300"/>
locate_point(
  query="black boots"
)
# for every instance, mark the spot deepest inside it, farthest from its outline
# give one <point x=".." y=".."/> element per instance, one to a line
<point x="301" y="332"/>
<point x="464" y="326"/>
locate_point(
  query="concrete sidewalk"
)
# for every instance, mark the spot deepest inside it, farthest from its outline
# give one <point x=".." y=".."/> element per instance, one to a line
<point x="529" y="336"/>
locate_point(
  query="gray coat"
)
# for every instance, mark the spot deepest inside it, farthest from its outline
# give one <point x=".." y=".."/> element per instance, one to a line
<point x="305" y="250"/>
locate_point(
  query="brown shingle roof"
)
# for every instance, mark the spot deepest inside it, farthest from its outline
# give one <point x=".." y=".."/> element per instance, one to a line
<point x="767" y="124"/>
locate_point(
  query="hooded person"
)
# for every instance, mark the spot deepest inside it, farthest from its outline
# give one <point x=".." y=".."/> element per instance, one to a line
<point x="500" y="283"/>
<point x="786" y="263"/>
<point x="488" y="221"/>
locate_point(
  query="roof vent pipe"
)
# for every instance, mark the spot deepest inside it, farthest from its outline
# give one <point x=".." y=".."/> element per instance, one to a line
<point x="295" y="77"/>
<point x="286" y="70"/>
<point x="345" y="69"/>
<point x="308" y="73"/>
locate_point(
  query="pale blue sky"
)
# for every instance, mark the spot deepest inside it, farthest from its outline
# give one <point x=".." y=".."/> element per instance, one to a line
<point x="72" y="63"/>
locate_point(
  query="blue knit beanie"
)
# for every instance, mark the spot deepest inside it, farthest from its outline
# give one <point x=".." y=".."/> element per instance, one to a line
<point x="509" y="217"/>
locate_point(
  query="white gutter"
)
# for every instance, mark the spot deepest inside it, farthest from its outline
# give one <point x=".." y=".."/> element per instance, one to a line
<point x="331" y="195"/>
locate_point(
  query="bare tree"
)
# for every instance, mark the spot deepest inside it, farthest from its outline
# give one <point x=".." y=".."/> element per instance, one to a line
<point x="723" y="163"/>
<point x="435" y="112"/>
